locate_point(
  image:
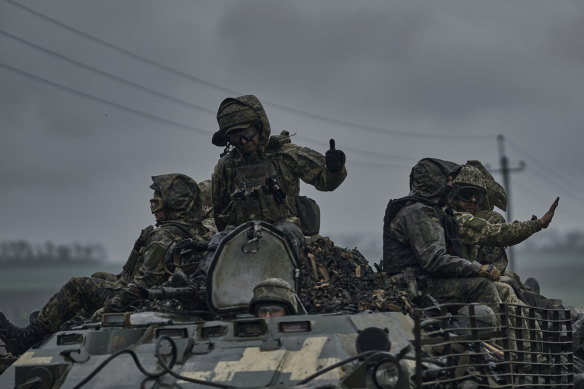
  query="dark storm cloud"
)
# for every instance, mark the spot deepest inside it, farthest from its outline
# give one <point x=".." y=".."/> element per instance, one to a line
<point x="446" y="68"/>
<point x="449" y="61"/>
<point x="324" y="49"/>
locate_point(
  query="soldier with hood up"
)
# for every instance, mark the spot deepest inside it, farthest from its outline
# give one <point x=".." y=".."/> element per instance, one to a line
<point x="421" y="244"/>
<point x="258" y="176"/>
<point x="470" y="192"/>
<point x="484" y="232"/>
<point x="177" y="207"/>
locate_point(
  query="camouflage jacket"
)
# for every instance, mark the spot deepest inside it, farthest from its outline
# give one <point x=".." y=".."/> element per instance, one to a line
<point x="415" y="237"/>
<point x="292" y="163"/>
<point x="154" y="262"/>
<point x="495" y="255"/>
<point x="475" y="232"/>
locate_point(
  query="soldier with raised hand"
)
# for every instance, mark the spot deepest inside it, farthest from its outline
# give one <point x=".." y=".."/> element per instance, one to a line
<point x="484" y="232"/>
<point x="258" y="176"/>
<point x="176" y="205"/>
<point x="421" y="244"/>
<point x="470" y="190"/>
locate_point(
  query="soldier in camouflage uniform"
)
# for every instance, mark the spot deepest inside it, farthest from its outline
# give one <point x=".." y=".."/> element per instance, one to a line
<point x="470" y="189"/>
<point x="259" y="177"/>
<point x="177" y="207"/>
<point x="421" y="245"/>
<point x="484" y="238"/>
<point x="495" y="197"/>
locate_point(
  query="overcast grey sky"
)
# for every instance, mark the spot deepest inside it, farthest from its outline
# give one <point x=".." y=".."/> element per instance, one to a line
<point x="97" y="96"/>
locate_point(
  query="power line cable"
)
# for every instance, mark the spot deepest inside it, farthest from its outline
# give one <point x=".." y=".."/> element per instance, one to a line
<point x="546" y="202"/>
<point x="163" y="120"/>
<point x="150" y="116"/>
<point x="561" y="189"/>
<point x="356" y="150"/>
<point x="541" y="165"/>
<point x="117" y="48"/>
<point x="154" y="92"/>
<point x="380" y="130"/>
<point x="105" y="74"/>
<point x="377" y="165"/>
<point x="105" y="101"/>
<point x="147" y="115"/>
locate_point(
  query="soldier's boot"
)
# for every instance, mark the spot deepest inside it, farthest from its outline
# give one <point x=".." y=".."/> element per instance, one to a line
<point x="18" y="340"/>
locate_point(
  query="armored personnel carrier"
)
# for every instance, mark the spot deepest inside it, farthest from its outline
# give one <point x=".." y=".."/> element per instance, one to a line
<point x="374" y="345"/>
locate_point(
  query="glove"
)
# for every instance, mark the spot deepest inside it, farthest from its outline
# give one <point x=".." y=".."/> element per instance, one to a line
<point x="179" y="279"/>
<point x="121" y="302"/>
<point x="490" y="272"/>
<point x="335" y="159"/>
<point x="96" y="315"/>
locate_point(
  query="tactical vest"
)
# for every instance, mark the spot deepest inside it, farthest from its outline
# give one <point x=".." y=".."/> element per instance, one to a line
<point x="397" y="255"/>
<point x="257" y="194"/>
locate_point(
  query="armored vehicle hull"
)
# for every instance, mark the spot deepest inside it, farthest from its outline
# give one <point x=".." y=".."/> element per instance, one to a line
<point x="446" y="346"/>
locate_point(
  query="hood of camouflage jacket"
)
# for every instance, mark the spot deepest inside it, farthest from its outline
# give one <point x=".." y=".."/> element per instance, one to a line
<point x="239" y="110"/>
<point x="181" y="197"/>
<point x="496" y="195"/>
<point x="429" y="177"/>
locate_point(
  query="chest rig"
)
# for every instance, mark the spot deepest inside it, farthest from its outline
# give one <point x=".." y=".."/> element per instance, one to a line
<point x="257" y="194"/>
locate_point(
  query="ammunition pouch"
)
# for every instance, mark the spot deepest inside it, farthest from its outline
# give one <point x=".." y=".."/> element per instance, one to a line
<point x="258" y="195"/>
<point x="309" y="214"/>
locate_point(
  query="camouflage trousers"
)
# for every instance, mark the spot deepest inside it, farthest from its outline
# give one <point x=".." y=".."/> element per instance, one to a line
<point x="463" y="290"/>
<point x="80" y="296"/>
<point x="516" y="324"/>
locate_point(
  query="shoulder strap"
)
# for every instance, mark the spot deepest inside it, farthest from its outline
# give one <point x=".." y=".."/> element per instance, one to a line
<point x="453" y="244"/>
<point x="394" y="206"/>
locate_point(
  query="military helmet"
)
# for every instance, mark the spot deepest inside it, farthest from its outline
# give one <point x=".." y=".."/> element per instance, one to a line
<point x="274" y="290"/>
<point x="181" y="197"/>
<point x="469" y="183"/>
<point x="470" y="175"/>
<point x="496" y="195"/>
<point x="237" y="113"/>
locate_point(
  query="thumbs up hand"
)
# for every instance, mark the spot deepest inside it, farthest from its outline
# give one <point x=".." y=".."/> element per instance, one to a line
<point x="335" y="159"/>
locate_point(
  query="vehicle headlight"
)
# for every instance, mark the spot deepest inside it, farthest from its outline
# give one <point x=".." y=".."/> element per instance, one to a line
<point x="386" y="374"/>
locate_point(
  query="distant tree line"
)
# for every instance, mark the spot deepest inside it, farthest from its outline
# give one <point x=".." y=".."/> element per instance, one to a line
<point x="571" y="242"/>
<point x="21" y="252"/>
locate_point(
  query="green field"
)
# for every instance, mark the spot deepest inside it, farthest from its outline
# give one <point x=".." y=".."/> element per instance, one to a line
<point x="24" y="289"/>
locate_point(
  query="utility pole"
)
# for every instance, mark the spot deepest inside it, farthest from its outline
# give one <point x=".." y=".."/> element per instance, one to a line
<point x="505" y="170"/>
